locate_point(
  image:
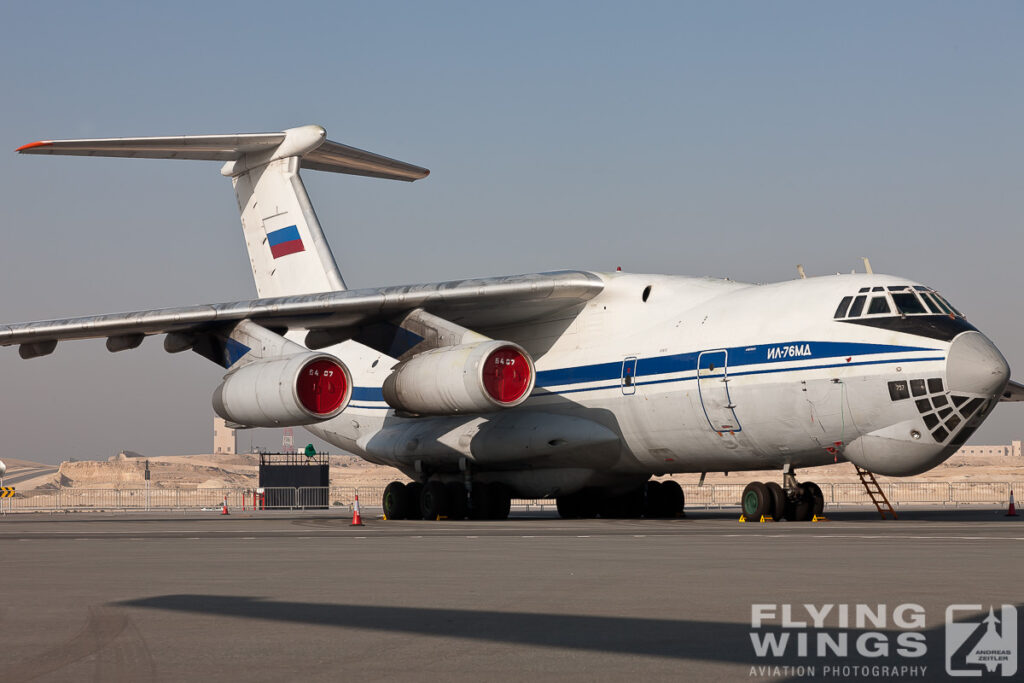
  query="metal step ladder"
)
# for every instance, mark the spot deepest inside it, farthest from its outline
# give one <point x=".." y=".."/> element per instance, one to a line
<point x="875" y="492"/>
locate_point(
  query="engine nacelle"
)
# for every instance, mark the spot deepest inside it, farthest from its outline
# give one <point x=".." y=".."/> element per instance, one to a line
<point x="285" y="392"/>
<point x="470" y="378"/>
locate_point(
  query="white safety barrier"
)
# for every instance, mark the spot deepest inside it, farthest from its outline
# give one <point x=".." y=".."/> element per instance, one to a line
<point x="343" y="497"/>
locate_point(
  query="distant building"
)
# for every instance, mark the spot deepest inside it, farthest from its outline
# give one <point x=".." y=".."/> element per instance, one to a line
<point x="224" y="440"/>
<point x="1013" y="450"/>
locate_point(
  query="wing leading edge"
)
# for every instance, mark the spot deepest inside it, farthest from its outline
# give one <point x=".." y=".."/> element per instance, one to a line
<point x="477" y="302"/>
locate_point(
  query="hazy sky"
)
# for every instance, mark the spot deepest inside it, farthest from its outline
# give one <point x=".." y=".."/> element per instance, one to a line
<point x="721" y="138"/>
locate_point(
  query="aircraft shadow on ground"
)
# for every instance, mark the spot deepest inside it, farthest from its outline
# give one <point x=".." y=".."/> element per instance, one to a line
<point x="673" y="638"/>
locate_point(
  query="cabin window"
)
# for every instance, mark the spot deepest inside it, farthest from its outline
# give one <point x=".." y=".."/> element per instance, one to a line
<point x="647" y="293"/>
<point x="858" y="306"/>
<point x="843" y="305"/>
<point x="908" y="304"/>
<point x="879" y="304"/>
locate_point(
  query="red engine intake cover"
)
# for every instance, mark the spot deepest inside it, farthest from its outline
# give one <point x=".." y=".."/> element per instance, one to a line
<point x="506" y="375"/>
<point x="321" y="386"/>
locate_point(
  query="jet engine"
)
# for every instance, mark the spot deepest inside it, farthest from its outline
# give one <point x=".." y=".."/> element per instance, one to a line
<point x="469" y="378"/>
<point x="285" y="392"/>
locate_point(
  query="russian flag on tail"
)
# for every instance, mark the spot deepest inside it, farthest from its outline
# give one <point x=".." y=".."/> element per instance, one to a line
<point x="285" y="241"/>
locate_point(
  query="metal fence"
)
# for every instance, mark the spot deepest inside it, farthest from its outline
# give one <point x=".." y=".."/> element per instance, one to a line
<point x="343" y="497"/>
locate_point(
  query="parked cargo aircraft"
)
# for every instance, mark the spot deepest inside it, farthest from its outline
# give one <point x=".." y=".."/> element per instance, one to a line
<point x="574" y="385"/>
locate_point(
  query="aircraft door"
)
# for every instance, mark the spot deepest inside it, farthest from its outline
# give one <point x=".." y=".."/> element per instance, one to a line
<point x="628" y="379"/>
<point x="713" y="385"/>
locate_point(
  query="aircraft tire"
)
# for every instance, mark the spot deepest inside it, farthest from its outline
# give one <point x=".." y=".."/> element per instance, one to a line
<point x="413" y="490"/>
<point x="802" y="507"/>
<point x="499" y="503"/>
<point x="675" y="499"/>
<point x="434" y="500"/>
<point x="817" y="498"/>
<point x="457" y="503"/>
<point x="654" y="500"/>
<point x="778" y="498"/>
<point x="395" y="501"/>
<point x="756" y="501"/>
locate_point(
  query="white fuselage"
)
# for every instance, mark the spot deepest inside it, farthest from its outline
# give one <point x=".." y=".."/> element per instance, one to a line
<point x="692" y="375"/>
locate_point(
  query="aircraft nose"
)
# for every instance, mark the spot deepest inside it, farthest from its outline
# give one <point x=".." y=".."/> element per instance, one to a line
<point x="975" y="366"/>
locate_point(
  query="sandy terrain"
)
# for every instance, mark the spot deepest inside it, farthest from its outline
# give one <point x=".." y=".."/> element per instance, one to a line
<point x="229" y="471"/>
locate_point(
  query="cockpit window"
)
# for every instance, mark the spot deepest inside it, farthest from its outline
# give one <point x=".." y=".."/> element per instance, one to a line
<point x="843" y="305"/>
<point x="858" y="306"/>
<point x="879" y="304"/>
<point x="908" y="304"/>
<point x="932" y="306"/>
<point x="906" y="300"/>
<point x="942" y="300"/>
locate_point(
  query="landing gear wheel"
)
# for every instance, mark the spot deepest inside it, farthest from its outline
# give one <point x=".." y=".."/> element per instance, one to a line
<point x="491" y="501"/>
<point x="675" y="500"/>
<point x="756" y="501"/>
<point x="396" y="501"/>
<point x="817" y="499"/>
<point x="629" y="505"/>
<point x="778" y="498"/>
<point x="434" y="500"/>
<point x="413" y="490"/>
<point x="800" y="507"/>
<point x="654" y="500"/>
<point x="457" y="503"/>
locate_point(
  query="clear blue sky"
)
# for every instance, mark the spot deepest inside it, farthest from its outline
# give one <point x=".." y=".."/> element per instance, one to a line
<point x="729" y="139"/>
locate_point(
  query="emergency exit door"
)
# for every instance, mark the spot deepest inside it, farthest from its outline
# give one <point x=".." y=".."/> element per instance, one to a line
<point x="713" y="385"/>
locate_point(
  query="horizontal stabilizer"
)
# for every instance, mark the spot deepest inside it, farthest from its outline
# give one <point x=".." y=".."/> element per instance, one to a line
<point x="242" y="152"/>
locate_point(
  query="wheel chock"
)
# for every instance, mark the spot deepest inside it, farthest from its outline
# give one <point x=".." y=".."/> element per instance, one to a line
<point x="816" y="518"/>
<point x="763" y="520"/>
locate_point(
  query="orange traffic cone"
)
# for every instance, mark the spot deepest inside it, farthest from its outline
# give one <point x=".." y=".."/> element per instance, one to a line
<point x="1012" y="512"/>
<point x="356" y="519"/>
<point x="224" y="510"/>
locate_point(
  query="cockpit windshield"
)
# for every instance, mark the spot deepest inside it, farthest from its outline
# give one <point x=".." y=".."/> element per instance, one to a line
<point x="902" y="300"/>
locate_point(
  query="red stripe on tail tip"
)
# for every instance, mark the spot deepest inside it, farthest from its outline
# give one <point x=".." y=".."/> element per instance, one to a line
<point x="41" y="143"/>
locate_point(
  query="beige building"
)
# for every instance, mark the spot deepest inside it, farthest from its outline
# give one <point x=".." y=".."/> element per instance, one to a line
<point x="224" y="440"/>
<point x="1013" y="450"/>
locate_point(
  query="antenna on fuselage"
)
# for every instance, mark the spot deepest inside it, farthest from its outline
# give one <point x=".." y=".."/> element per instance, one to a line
<point x="867" y="265"/>
<point x="800" y="269"/>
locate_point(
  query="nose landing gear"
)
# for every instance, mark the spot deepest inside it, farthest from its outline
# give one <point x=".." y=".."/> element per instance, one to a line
<point x="793" y="501"/>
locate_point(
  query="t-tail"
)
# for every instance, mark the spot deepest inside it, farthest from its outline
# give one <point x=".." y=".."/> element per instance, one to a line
<point x="288" y="251"/>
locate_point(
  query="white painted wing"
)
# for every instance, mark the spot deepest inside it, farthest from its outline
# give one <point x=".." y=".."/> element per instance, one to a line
<point x="472" y="303"/>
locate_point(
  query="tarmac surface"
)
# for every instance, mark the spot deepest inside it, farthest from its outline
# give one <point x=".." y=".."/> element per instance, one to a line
<point x="305" y="596"/>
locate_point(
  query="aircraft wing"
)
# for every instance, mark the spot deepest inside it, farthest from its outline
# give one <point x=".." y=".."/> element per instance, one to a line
<point x="1014" y="391"/>
<point x="472" y="303"/>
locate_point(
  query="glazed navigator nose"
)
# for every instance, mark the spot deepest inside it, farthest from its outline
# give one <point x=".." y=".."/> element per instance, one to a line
<point x="975" y="366"/>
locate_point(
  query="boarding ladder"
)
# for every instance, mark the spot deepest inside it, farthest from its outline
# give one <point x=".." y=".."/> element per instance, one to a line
<point x="875" y="492"/>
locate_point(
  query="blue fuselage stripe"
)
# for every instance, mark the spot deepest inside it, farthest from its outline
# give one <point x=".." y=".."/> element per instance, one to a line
<point x="688" y="362"/>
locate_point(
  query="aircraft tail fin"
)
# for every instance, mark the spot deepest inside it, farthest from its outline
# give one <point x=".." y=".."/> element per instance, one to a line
<point x="288" y="251"/>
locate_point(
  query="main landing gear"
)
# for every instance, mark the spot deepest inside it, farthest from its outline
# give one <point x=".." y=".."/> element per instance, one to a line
<point x="792" y="501"/>
<point x="436" y="499"/>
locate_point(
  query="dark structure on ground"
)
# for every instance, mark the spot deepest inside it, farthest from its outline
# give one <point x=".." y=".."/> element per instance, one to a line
<point x="295" y="480"/>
